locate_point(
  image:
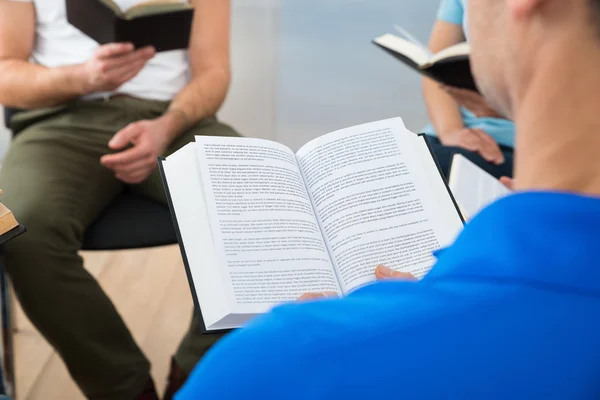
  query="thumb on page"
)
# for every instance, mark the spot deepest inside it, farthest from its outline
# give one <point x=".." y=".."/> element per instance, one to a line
<point x="383" y="273"/>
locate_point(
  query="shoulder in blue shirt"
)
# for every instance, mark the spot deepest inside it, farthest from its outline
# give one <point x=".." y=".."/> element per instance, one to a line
<point x="509" y="311"/>
<point x="452" y="11"/>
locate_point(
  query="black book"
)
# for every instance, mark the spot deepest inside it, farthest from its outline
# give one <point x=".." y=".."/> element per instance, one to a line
<point x="13" y="233"/>
<point x="259" y="224"/>
<point x="164" y="24"/>
<point x="450" y="66"/>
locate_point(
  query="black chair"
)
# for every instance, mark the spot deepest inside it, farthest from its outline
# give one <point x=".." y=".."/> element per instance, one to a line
<point x="129" y="222"/>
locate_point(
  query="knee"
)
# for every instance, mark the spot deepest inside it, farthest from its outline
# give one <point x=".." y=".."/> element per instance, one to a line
<point x="48" y="229"/>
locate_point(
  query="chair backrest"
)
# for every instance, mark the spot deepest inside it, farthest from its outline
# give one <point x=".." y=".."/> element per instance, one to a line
<point x="8" y="114"/>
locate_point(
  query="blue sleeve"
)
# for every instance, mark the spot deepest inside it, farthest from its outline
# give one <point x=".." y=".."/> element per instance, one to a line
<point x="451" y="11"/>
<point x="250" y="363"/>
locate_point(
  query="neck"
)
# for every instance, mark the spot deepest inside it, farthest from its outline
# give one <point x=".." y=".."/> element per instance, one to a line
<point x="558" y="120"/>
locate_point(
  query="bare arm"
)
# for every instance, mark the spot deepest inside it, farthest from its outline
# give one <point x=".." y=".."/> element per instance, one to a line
<point x="23" y="84"/>
<point x="443" y="110"/>
<point x="209" y="59"/>
<point x="27" y="85"/>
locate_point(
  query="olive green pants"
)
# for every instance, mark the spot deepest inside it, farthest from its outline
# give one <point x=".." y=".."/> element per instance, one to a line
<point x="55" y="185"/>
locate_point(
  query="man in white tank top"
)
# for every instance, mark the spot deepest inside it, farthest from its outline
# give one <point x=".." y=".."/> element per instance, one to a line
<point x="95" y="119"/>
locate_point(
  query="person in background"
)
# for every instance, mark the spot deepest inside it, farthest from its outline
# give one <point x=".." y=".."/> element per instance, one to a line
<point x="96" y="119"/>
<point x="510" y="310"/>
<point x="461" y="120"/>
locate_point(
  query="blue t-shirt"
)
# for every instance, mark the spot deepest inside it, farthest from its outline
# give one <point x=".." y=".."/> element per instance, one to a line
<point x="510" y="311"/>
<point x="503" y="131"/>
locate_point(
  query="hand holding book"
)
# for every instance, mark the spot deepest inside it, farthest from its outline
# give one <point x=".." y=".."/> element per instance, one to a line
<point x="111" y="66"/>
<point x="382" y="273"/>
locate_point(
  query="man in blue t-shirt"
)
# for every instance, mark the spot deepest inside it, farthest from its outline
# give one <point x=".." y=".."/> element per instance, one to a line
<point x="487" y="139"/>
<point x="510" y="311"/>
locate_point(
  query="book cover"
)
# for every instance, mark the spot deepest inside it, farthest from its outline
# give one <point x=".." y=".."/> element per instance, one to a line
<point x="164" y="31"/>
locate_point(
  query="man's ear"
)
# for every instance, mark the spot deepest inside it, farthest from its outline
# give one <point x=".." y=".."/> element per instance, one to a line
<point x="523" y="8"/>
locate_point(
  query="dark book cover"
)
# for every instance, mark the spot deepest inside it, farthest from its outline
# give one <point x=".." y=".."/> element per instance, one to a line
<point x="446" y="182"/>
<point x="168" y="31"/>
<point x="13" y="233"/>
<point x="453" y="71"/>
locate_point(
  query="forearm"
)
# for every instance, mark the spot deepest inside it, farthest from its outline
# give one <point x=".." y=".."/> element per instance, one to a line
<point x="200" y="98"/>
<point x="26" y="85"/>
<point x="443" y="111"/>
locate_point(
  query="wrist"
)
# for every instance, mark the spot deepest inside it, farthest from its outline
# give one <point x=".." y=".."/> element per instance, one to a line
<point x="78" y="80"/>
<point x="446" y="135"/>
<point x="176" y="122"/>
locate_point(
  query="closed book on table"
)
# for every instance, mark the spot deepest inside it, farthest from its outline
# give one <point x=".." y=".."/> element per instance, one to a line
<point x="164" y="24"/>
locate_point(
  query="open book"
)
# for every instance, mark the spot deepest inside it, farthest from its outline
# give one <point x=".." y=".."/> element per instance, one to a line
<point x="473" y="188"/>
<point x="260" y="225"/>
<point x="163" y="24"/>
<point x="450" y="66"/>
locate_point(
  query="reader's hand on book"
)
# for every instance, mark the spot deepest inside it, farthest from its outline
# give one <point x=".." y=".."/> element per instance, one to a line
<point x="508" y="182"/>
<point x="113" y="65"/>
<point x="472" y="101"/>
<point x="382" y="273"/>
<point x="475" y="140"/>
<point x="148" y="140"/>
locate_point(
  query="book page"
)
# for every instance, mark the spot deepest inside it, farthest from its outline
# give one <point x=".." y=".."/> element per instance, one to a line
<point x="191" y="217"/>
<point x="473" y="188"/>
<point x="458" y="50"/>
<point x="264" y="227"/>
<point x="156" y="7"/>
<point x="418" y="54"/>
<point x="374" y="202"/>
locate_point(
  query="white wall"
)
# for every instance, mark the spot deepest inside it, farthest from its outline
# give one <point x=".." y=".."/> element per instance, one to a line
<point x="250" y="106"/>
<point x="302" y="68"/>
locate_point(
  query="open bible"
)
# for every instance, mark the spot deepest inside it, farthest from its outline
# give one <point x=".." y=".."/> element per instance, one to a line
<point x="450" y="66"/>
<point x="163" y="24"/>
<point x="261" y="225"/>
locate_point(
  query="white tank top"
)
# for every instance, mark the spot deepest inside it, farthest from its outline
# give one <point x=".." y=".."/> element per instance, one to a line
<point x="60" y="44"/>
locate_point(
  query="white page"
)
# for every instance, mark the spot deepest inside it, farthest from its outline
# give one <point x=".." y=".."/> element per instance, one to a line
<point x="264" y="228"/>
<point x="473" y="188"/>
<point x="419" y="55"/>
<point x="460" y="49"/>
<point x="446" y="205"/>
<point x="373" y="201"/>
<point x="191" y="215"/>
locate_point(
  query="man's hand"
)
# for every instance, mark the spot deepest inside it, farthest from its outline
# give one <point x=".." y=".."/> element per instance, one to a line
<point x="508" y="182"/>
<point x="113" y="65"/>
<point x="472" y="101"/>
<point x="382" y="273"/>
<point x="474" y="140"/>
<point x="149" y="140"/>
